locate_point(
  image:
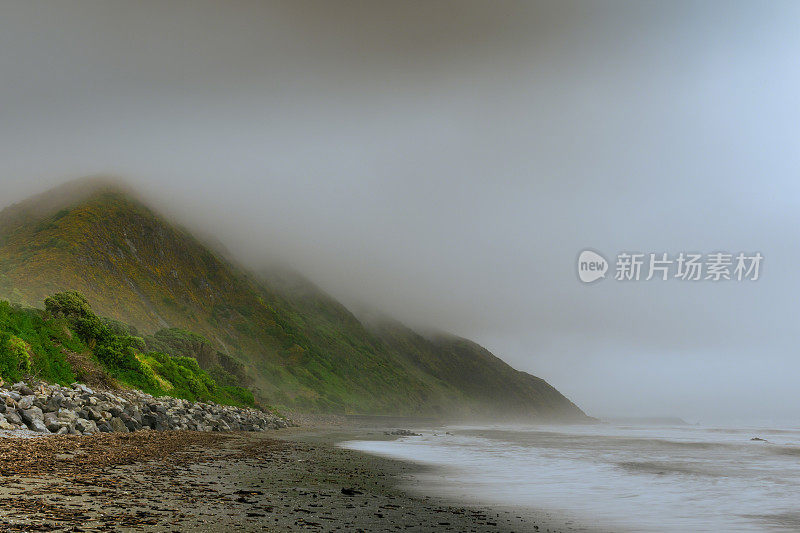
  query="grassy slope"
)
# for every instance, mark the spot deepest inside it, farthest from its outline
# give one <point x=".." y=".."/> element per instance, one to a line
<point x="302" y="349"/>
<point x="35" y="345"/>
<point x="457" y="362"/>
<point x="462" y="376"/>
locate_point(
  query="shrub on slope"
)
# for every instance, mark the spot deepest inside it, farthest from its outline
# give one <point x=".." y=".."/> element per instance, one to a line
<point x="37" y="344"/>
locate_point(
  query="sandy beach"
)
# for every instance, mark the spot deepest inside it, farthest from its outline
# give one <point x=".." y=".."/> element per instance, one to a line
<point x="287" y="480"/>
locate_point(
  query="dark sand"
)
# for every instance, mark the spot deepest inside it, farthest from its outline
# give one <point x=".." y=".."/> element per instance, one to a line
<point x="287" y="480"/>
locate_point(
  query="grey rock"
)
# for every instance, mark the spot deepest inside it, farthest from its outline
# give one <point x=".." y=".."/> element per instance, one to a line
<point x="82" y="388"/>
<point x="402" y="433"/>
<point x="54" y="403"/>
<point x="86" y="426"/>
<point x="79" y="409"/>
<point x="67" y="416"/>
<point x="118" y="425"/>
<point x="149" y="420"/>
<point x="22" y="388"/>
<point x="13" y="416"/>
<point x="26" y="402"/>
<point x="5" y="424"/>
<point x="29" y="415"/>
<point x="38" y="426"/>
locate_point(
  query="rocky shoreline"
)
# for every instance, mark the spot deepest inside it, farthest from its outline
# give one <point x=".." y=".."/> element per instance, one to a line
<point x="78" y="410"/>
<point x="290" y="480"/>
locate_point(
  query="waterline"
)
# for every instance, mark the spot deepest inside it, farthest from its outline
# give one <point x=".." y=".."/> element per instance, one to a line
<point x="643" y="478"/>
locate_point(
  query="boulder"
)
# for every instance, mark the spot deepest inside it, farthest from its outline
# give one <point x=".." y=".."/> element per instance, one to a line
<point x="54" y="403"/>
<point x="150" y="420"/>
<point x="22" y="388"/>
<point x="25" y="402"/>
<point x="29" y="415"/>
<point x="82" y="388"/>
<point x="67" y="416"/>
<point x="51" y="421"/>
<point x="13" y="416"/>
<point x="79" y="409"/>
<point x="118" y="425"/>
<point x="5" y="424"/>
<point x="38" y="426"/>
<point x="86" y="427"/>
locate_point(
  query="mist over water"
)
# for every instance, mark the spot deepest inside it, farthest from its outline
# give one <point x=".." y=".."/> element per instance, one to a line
<point x="616" y="477"/>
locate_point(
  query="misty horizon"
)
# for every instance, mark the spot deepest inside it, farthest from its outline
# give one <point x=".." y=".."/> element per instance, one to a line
<point x="454" y="189"/>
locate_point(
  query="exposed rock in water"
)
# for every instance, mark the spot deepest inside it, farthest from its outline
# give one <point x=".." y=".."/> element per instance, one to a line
<point x="78" y="410"/>
<point x="403" y="433"/>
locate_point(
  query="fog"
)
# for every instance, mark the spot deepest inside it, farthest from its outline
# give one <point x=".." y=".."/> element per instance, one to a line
<point x="445" y="162"/>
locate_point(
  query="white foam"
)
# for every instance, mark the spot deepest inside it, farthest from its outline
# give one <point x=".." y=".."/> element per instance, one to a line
<point x="642" y="478"/>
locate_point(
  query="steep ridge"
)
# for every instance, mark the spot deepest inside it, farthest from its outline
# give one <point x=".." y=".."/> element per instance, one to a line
<point x="480" y="383"/>
<point x="298" y="347"/>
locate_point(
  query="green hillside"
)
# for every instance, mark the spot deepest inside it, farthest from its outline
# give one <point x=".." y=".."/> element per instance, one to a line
<point x="67" y="341"/>
<point x="463" y="376"/>
<point x="293" y="345"/>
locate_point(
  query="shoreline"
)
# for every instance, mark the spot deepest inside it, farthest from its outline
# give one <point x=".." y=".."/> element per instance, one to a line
<point x="400" y="475"/>
<point x="285" y="480"/>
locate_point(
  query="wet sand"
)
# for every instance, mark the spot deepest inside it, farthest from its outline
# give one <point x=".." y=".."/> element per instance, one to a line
<point x="287" y="480"/>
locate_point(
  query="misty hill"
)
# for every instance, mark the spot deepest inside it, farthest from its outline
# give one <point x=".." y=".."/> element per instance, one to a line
<point x="291" y="343"/>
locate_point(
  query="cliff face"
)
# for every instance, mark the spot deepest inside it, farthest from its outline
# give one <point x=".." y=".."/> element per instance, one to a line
<point x="300" y="347"/>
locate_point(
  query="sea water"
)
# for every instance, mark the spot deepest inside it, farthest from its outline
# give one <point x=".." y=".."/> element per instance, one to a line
<point x="614" y="476"/>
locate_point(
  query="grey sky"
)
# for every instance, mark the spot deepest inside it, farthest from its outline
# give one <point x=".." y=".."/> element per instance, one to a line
<point x="446" y="162"/>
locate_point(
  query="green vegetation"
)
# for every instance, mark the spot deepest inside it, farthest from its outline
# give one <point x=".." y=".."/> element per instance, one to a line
<point x="16" y="359"/>
<point x="32" y="345"/>
<point x="42" y="344"/>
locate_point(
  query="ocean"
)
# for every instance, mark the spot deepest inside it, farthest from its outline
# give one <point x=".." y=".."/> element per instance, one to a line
<point x="615" y="477"/>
